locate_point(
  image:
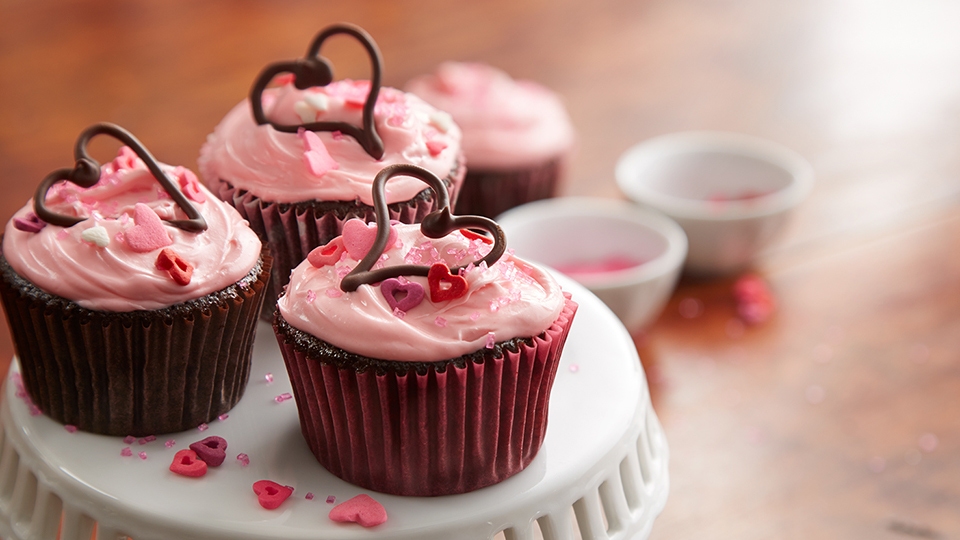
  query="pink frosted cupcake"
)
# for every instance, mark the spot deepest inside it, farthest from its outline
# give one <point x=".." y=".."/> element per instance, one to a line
<point x="422" y="360"/>
<point x="297" y="160"/>
<point x="132" y="295"/>
<point x="516" y="134"/>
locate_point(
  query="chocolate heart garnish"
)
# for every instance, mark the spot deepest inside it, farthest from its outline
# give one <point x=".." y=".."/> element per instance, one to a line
<point x="436" y="224"/>
<point x="86" y="173"/>
<point x="314" y="70"/>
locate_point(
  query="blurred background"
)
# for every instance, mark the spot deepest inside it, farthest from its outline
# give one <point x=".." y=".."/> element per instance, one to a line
<point x="836" y="417"/>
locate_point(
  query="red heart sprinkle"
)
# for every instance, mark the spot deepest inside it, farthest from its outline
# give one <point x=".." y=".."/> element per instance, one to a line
<point x="470" y="235"/>
<point x="443" y="285"/>
<point x="362" y="509"/>
<point x="328" y="254"/>
<point x="212" y="450"/>
<point x="186" y="463"/>
<point x="171" y="262"/>
<point x="358" y="237"/>
<point x="271" y="494"/>
<point x="148" y="233"/>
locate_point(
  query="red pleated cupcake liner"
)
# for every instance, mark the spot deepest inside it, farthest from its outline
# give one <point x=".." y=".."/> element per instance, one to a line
<point x="450" y="429"/>
<point x="135" y="373"/>
<point x="292" y="230"/>
<point x="489" y="193"/>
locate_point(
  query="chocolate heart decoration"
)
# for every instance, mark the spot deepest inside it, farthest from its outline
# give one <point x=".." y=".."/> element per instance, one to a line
<point x="86" y="173"/>
<point x="314" y="70"/>
<point x="436" y="224"/>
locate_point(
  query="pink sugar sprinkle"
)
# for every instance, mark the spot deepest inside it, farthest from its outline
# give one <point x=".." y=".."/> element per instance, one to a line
<point x="441" y="322"/>
<point x="336" y="135"/>
<point x="283" y="397"/>
<point x="143" y="455"/>
<point x="333" y="292"/>
<point x="491" y="340"/>
<point x="170" y="443"/>
<point x="129" y="439"/>
<point x="494" y="306"/>
<point x="308" y="496"/>
<point x="475" y="315"/>
<point x="398" y="313"/>
<point x="143" y="441"/>
<point x="331" y="499"/>
<point x="574" y="368"/>
<point x="126" y="452"/>
<point x="243" y="459"/>
<point x="223" y="417"/>
<point x="70" y="428"/>
<point x="311" y="296"/>
<point x="268" y="377"/>
<point x="202" y="427"/>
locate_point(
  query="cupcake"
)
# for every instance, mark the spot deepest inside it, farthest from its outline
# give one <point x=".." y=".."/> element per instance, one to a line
<point x="516" y="134"/>
<point x="422" y="356"/>
<point x="297" y="159"/>
<point x="132" y="294"/>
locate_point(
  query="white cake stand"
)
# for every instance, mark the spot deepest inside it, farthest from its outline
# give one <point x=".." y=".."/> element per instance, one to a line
<point x="601" y="473"/>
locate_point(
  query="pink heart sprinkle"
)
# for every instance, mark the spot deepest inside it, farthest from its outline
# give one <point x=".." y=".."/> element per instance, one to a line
<point x="212" y="450"/>
<point x="362" y="509"/>
<point x="402" y="296"/>
<point x="189" y="184"/>
<point x="435" y="147"/>
<point x="315" y="154"/>
<point x="358" y="237"/>
<point x="29" y="223"/>
<point x="148" y="233"/>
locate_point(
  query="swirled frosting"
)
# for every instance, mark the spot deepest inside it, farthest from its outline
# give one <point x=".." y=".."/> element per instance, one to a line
<point x="328" y="166"/>
<point x="510" y="299"/>
<point x="71" y="263"/>
<point x="506" y="123"/>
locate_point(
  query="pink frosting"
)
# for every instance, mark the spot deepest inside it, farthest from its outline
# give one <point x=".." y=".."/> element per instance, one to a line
<point x="505" y="123"/>
<point x="289" y="167"/>
<point x="116" y="277"/>
<point x="508" y="300"/>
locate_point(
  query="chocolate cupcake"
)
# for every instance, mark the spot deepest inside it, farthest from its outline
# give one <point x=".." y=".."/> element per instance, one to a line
<point x="297" y="159"/>
<point x="132" y="294"/>
<point x="422" y="356"/>
<point x="516" y="134"/>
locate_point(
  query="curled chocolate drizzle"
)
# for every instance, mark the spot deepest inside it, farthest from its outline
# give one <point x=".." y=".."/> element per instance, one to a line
<point x="436" y="224"/>
<point x="86" y="173"/>
<point x="315" y="70"/>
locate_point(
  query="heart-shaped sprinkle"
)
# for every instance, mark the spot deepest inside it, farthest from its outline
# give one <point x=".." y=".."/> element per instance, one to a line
<point x="358" y="237"/>
<point x="171" y="262"/>
<point x="270" y="494"/>
<point x="189" y="184"/>
<point x="435" y="147"/>
<point x="148" y="233"/>
<point x="212" y="450"/>
<point x="362" y="510"/>
<point x="96" y="235"/>
<point x="315" y="154"/>
<point x="443" y="285"/>
<point x="29" y="223"/>
<point x="186" y="463"/>
<point x="402" y="296"/>
<point x="326" y="255"/>
<point x="470" y="235"/>
<point x="317" y="101"/>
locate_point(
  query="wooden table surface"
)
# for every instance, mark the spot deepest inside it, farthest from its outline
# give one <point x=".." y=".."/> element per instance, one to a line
<point x="837" y="418"/>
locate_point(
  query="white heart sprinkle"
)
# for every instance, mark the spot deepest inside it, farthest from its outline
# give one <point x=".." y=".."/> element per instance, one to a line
<point x="318" y="101"/>
<point x="441" y="121"/>
<point x="307" y="113"/>
<point x="96" y="235"/>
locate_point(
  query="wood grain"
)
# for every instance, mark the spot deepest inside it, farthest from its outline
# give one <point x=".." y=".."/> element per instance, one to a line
<point x="835" y="419"/>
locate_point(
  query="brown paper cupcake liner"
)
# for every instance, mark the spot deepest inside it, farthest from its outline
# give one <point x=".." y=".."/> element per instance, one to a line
<point x="135" y="373"/>
<point x="489" y="193"/>
<point x="292" y="230"/>
<point x="426" y="428"/>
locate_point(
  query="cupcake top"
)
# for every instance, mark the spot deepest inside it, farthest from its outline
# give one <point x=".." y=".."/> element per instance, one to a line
<point x="506" y="123"/>
<point x="123" y="257"/>
<point x="328" y="166"/>
<point x="419" y="318"/>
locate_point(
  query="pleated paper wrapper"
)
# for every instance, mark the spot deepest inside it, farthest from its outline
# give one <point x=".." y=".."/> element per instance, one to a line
<point x="293" y="230"/>
<point x="435" y="431"/>
<point x="489" y="193"/>
<point x="136" y="373"/>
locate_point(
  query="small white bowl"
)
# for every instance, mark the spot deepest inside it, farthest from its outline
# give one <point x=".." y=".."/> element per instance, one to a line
<point x="569" y="231"/>
<point x="731" y="193"/>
